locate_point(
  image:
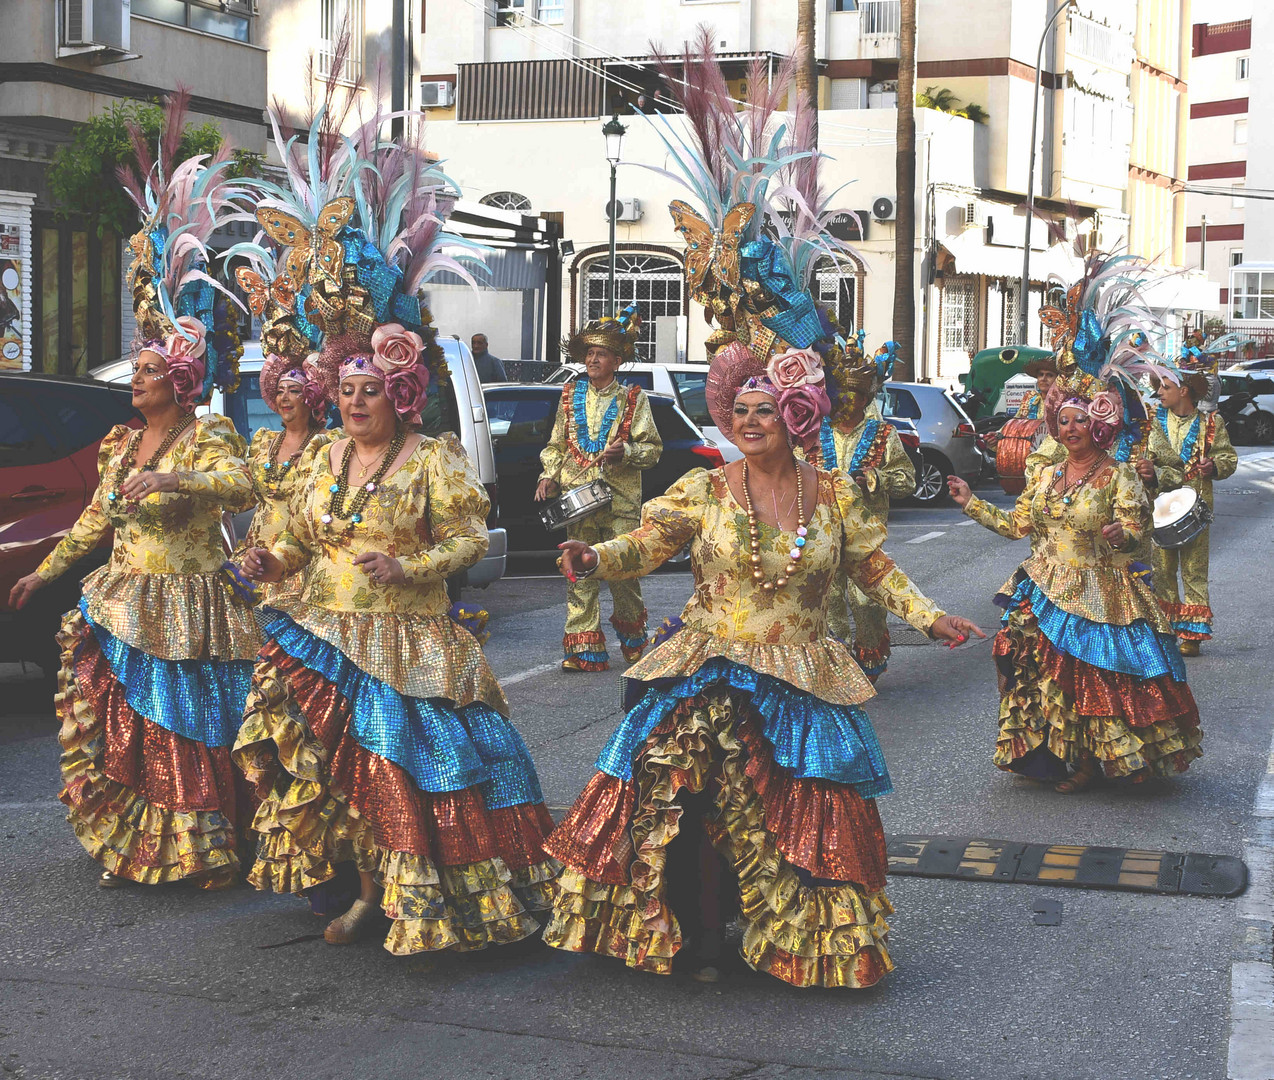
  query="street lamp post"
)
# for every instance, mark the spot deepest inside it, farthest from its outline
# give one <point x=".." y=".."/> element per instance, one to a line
<point x="1024" y="295"/>
<point x="614" y="132"/>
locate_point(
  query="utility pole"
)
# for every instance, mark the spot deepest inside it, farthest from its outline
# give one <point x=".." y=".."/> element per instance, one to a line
<point x="1203" y="243"/>
<point x="904" y="329"/>
<point x="807" y="62"/>
<point x="398" y="65"/>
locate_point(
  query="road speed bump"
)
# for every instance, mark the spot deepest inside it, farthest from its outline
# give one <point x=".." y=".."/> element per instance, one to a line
<point x="1068" y="865"/>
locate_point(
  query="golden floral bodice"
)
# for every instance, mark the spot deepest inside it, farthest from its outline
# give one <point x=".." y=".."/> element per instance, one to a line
<point x="273" y="488"/>
<point x="162" y="590"/>
<point x="1071" y="561"/>
<point x="561" y="460"/>
<point x="429" y="514"/>
<point x="781" y="632"/>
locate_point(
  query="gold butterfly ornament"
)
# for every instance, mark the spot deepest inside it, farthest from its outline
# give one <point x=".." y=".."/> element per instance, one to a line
<point x="311" y="253"/>
<point x="282" y="290"/>
<point x="712" y="253"/>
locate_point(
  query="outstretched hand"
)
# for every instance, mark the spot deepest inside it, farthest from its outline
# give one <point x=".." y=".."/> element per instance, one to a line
<point x="955" y="629"/>
<point x="576" y="557"/>
<point x="22" y="590"/>
<point x="961" y="493"/>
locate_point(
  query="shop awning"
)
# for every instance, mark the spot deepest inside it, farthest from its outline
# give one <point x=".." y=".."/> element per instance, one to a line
<point x="974" y="256"/>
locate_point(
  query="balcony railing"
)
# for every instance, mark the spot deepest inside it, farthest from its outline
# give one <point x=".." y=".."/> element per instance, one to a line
<point x="880" y="17"/>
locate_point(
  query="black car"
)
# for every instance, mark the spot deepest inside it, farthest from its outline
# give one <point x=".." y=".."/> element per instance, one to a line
<point x="521" y="420"/>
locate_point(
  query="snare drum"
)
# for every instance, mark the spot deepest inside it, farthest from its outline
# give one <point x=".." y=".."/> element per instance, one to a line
<point x="1179" y="517"/>
<point x="1018" y="439"/>
<point x="575" y="505"/>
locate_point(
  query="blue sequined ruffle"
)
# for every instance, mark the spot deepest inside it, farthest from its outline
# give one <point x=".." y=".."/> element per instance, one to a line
<point x="444" y="749"/>
<point x="1191" y="627"/>
<point x="1137" y="649"/>
<point x="197" y="699"/>
<point x="810" y="737"/>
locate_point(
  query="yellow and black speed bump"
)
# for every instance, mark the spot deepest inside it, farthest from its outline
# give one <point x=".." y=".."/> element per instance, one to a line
<point x="1068" y="865"/>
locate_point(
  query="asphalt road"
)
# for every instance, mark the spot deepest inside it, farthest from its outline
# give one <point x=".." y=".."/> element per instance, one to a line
<point x="142" y="983"/>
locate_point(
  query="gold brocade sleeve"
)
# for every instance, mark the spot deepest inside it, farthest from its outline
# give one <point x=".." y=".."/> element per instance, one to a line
<point x="896" y="475"/>
<point x="1012" y="526"/>
<point x="1222" y="451"/>
<point x="1132" y="504"/>
<point x="457" y="515"/>
<point x="91" y="525"/>
<point x="644" y="445"/>
<point x="871" y="569"/>
<point x="554" y="453"/>
<point x="668" y="524"/>
<point x="218" y="471"/>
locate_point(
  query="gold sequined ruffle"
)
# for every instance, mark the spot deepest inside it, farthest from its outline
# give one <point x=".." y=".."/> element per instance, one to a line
<point x="1109" y="595"/>
<point x="121" y="830"/>
<point x="173" y="616"/>
<point x="824" y="668"/>
<point x="832" y="935"/>
<point x="420" y="656"/>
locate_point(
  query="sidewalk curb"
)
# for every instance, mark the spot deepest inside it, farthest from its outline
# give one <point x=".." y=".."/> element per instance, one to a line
<point x="1251" y="1053"/>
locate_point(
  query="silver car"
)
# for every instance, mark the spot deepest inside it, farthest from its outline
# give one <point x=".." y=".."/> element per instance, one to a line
<point x="465" y="414"/>
<point x="948" y="440"/>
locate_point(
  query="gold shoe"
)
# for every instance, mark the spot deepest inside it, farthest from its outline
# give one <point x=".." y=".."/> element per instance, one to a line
<point x="346" y="929"/>
<point x="572" y="663"/>
<point x="111" y="881"/>
<point x="1189" y="647"/>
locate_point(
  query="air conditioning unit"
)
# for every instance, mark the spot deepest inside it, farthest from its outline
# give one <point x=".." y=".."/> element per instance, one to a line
<point x="883" y="208"/>
<point x="437" y="95"/>
<point x="624" y="210"/>
<point x="974" y="215"/>
<point x="95" y="26"/>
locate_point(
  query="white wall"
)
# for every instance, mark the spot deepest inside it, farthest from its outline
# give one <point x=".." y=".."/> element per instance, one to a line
<point x="1258" y="245"/>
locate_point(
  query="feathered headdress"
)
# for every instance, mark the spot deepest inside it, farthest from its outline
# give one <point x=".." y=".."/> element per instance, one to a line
<point x="359" y="228"/>
<point x="179" y="307"/>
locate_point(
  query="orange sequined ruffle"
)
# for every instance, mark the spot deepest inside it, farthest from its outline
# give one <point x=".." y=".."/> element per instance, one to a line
<point x="149" y="805"/>
<point x="829" y="934"/>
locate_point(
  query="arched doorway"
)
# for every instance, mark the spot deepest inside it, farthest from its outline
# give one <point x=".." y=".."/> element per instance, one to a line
<point x="655" y="282"/>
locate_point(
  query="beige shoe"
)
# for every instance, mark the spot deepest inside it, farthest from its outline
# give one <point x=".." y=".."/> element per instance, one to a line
<point x="111" y="881"/>
<point x="346" y="929"/>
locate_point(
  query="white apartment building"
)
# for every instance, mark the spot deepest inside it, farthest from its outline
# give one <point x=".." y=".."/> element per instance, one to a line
<point x="517" y="91"/>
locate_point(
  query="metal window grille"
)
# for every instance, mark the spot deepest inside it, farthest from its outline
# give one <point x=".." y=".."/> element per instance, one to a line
<point x="506" y="200"/>
<point x="655" y="282"/>
<point x="1012" y="294"/>
<point x="334" y="16"/>
<point x="959" y="319"/>
<point x="881" y="16"/>
<point x="836" y="284"/>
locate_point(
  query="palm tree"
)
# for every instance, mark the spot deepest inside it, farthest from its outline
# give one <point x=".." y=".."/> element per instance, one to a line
<point x="905" y="184"/>
<point x="807" y="63"/>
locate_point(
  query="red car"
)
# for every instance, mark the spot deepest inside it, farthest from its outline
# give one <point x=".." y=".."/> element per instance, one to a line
<point x="50" y="429"/>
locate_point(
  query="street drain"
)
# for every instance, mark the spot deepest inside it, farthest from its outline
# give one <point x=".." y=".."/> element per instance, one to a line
<point x="1067" y="865"/>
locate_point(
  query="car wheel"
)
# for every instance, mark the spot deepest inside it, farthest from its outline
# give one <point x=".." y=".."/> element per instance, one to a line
<point x="1261" y="425"/>
<point x="931" y="480"/>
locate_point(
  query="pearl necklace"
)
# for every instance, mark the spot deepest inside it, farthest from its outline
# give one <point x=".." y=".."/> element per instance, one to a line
<point x="754" y="535"/>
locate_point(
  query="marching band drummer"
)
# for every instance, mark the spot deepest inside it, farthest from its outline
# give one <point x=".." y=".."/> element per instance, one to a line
<point x="603" y="430"/>
<point x="1188" y="448"/>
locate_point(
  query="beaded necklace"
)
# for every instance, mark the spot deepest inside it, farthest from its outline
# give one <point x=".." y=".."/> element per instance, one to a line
<point x="582" y="438"/>
<point x="274" y="480"/>
<point x="754" y="535"/>
<point x="129" y="459"/>
<point x="336" y="507"/>
<point x="1068" y="493"/>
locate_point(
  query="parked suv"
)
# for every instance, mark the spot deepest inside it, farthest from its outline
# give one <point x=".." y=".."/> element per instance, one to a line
<point x="521" y="422"/>
<point x="458" y="408"/>
<point x="948" y="439"/>
<point x="50" y="430"/>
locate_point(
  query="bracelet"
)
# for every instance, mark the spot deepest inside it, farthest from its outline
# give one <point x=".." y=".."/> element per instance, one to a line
<point x="592" y="570"/>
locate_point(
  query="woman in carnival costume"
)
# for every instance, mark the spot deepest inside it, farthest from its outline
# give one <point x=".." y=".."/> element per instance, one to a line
<point x="157" y="657"/>
<point x="1189" y="447"/>
<point x="375" y="732"/>
<point x="1044" y="371"/>
<point x="867" y="448"/>
<point x="1092" y="682"/>
<point x="603" y="431"/>
<point x="747" y="742"/>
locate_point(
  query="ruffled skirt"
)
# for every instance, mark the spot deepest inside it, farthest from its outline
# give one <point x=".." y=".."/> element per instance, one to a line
<point x="146" y="769"/>
<point x="808" y="852"/>
<point x="442" y="804"/>
<point x="1074" y="690"/>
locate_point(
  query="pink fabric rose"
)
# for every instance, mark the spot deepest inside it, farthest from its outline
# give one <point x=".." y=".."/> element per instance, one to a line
<point x="396" y="348"/>
<point x="803" y="409"/>
<point x="796" y="367"/>
<point x="1106" y="418"/>
<point x="407" y="389"/>
<point x="189" y="344"/>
